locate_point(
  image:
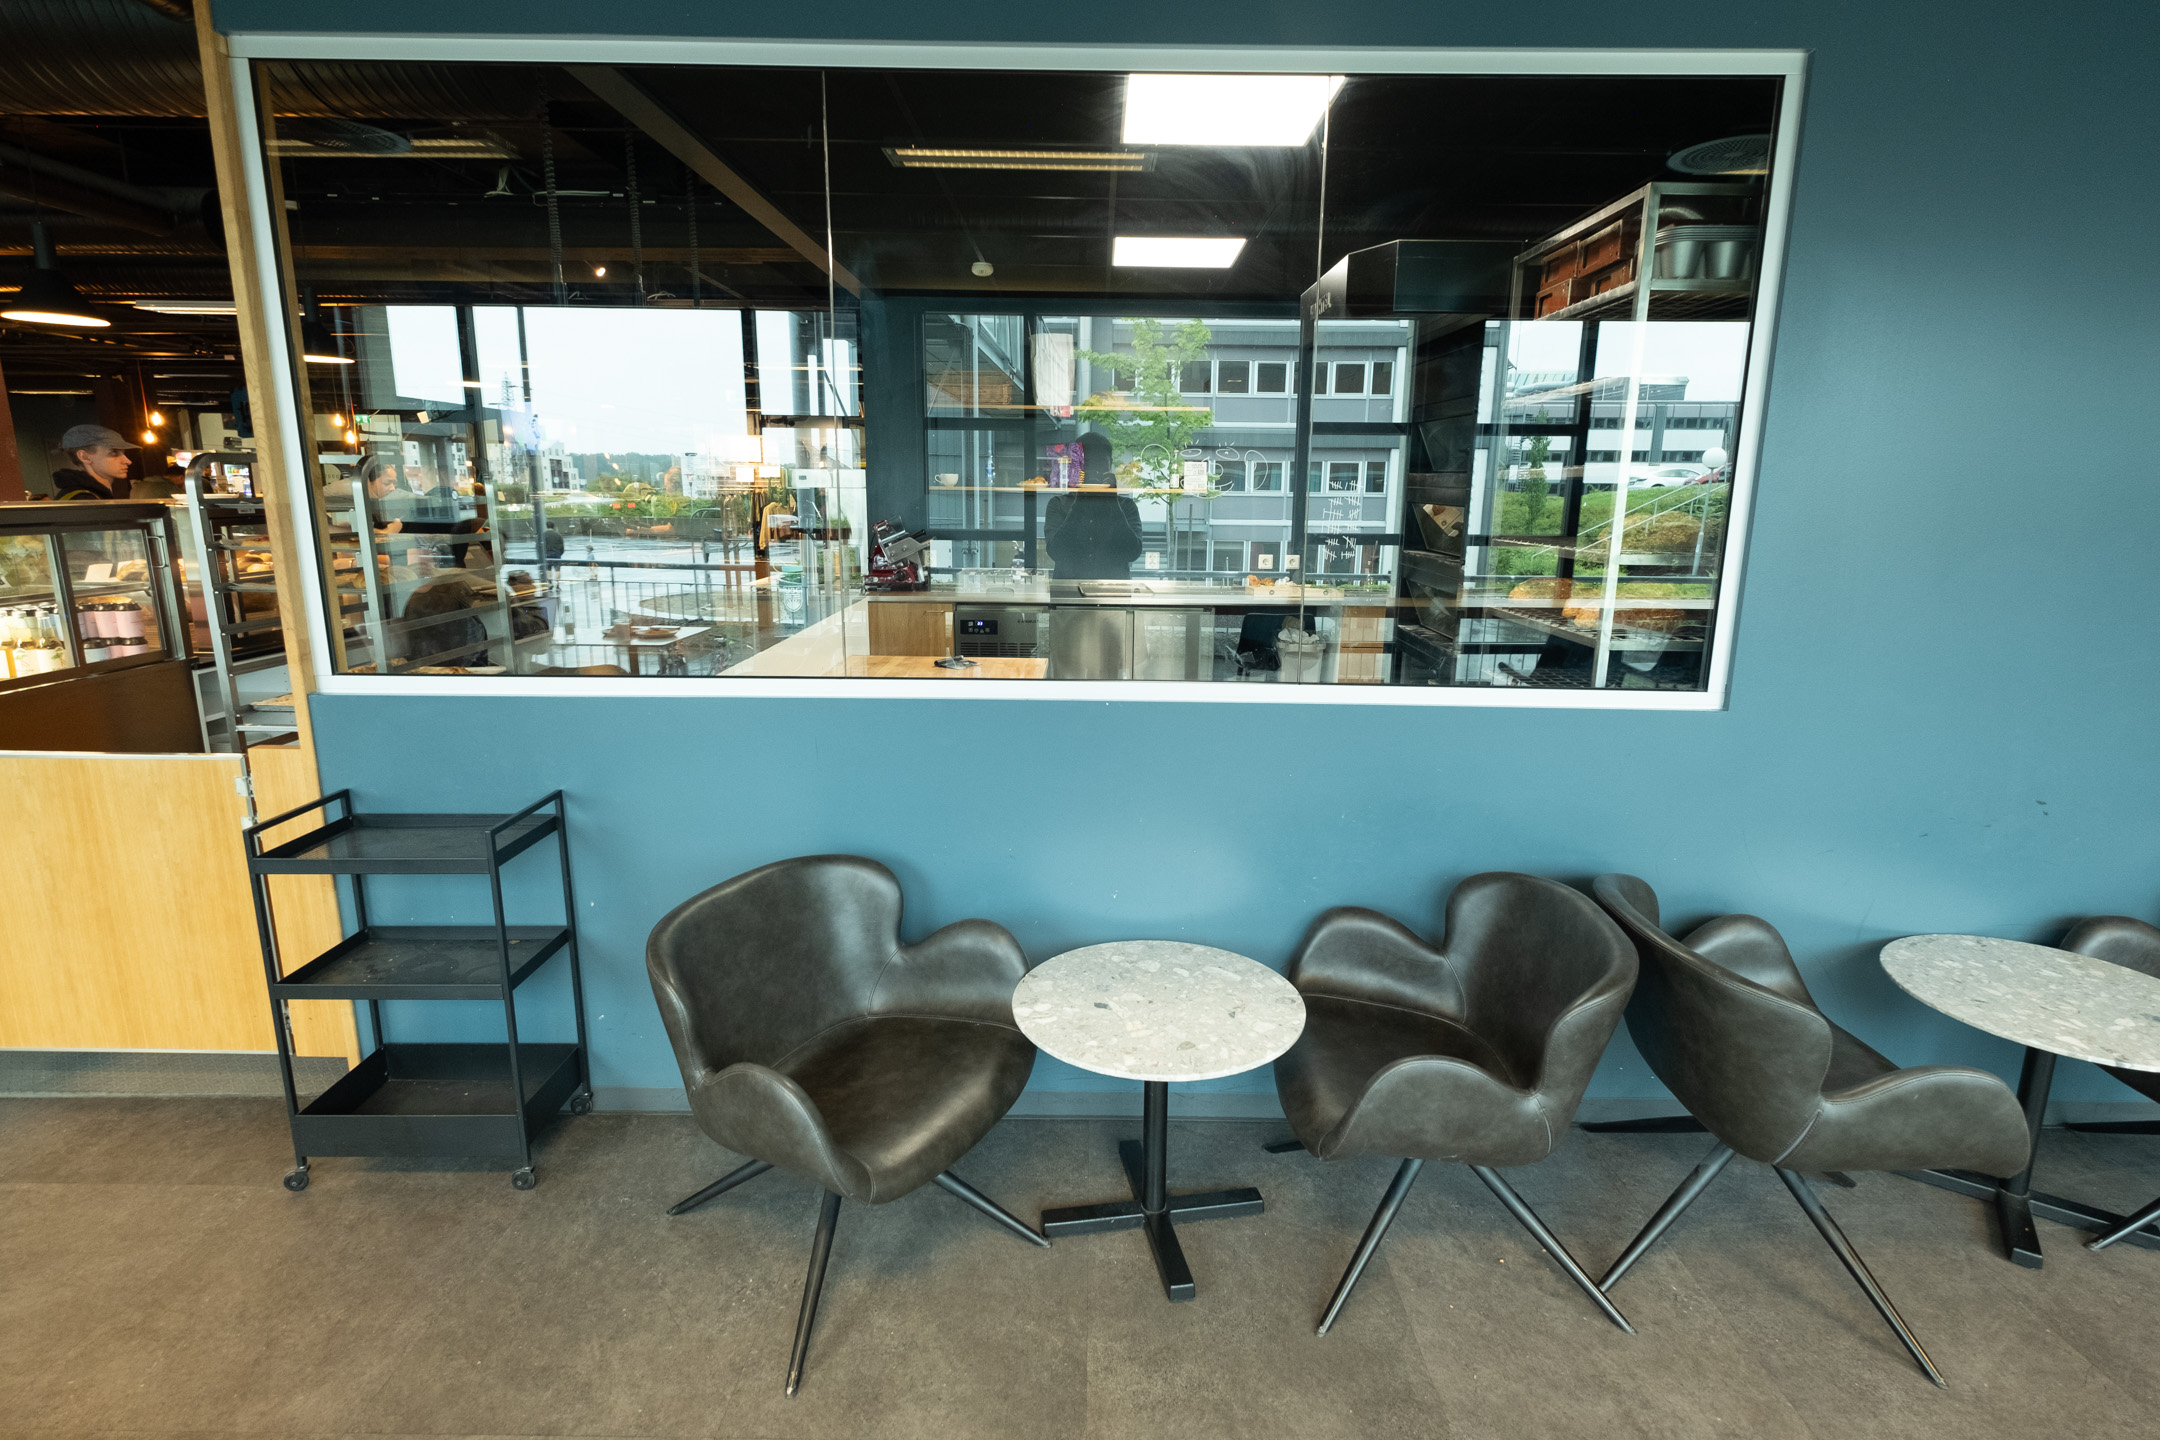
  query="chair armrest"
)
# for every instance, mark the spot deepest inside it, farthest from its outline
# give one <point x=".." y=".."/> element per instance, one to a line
<point x="1352" y="953"/>
<point x="965" y="971"/>
<point x="1930" y="1117"/>
<point x="754" y="1110"/>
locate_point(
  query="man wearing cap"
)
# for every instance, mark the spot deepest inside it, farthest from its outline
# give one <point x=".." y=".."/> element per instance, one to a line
<point x="101" y="465"/>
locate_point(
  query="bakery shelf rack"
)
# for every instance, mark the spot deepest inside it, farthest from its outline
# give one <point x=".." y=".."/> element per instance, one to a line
<point x="484" y="1099"/>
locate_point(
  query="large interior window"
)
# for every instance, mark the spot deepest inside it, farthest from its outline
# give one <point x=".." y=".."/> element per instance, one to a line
<point x="1438" y="381"/>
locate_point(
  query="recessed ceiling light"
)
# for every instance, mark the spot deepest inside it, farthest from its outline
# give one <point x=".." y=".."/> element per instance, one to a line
<point x="1225" y="109"/>
<point x="1175" y="253"/>
<point x="919" y="157"/>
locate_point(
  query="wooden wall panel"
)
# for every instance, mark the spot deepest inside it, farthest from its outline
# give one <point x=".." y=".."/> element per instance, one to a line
<point x="305" y="907"/>
<point x="127" y="920"/>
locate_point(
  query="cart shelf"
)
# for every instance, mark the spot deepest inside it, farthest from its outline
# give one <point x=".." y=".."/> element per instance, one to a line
<point x="389" y="844"/>
<point x="423" y="962"/>
<point x="437" y="1100"/>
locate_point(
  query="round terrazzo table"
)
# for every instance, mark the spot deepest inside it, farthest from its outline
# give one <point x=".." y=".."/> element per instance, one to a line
<point x="2052" y="1002"/>
<point x="1157" y="1011"/>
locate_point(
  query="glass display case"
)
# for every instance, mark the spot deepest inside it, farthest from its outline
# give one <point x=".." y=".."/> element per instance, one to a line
<point x="93" y="654"/>
<point x="228" y="579"/>
<point x="84" y="589"/>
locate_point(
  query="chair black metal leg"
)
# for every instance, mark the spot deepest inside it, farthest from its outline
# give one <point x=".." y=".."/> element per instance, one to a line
<point x="1698" y="1180"/>
<point x="1283" y="1147"/>
<point x="820" y="1249"/>
<point x="2136" y="1222"/>
<point x="1857" y="1268"/>
<point x="1405" y="1176"/>
<point x="1529" y="1221"/>
<point x="721" y="1186"/>
<point x="2117" y="1127"/>
<point x="955" y="1185"/>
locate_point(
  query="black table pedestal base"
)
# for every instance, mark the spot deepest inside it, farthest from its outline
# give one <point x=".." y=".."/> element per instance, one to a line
<point x="1152" y="1208"/>
<point x="2015" y="1203"/>
<point x="2015" y="1215"/>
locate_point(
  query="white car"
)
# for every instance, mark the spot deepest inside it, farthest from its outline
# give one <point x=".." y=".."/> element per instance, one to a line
<point x="1658" y="475"/>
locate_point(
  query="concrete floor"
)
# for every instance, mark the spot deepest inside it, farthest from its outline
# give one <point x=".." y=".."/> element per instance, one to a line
<point x="156" y="1280"/>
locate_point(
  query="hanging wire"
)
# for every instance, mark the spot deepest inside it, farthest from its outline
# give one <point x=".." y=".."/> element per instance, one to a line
<point x="554" y="211"/>
<point x="697" y="293"/>
<point x="637" y="228"/>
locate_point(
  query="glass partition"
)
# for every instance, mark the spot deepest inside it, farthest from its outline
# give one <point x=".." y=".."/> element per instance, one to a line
<point x="695" y="371"/>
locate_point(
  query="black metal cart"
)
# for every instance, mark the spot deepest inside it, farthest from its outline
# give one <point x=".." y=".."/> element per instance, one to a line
<point x="485" y="1099"/>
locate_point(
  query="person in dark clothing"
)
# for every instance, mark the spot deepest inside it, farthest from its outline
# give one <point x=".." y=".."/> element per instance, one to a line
<point x="1093" y="533"/>
<point x="101" y="465"/>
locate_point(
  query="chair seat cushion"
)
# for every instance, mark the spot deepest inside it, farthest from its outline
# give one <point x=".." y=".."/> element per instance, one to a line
<point x="906" y="1096"/>
<point x="1472" y="1110"/>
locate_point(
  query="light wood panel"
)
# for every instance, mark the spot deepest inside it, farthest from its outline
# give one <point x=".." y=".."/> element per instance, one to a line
<point x="925" y="667"/>
<point x="270" y="399"/>
<point x="128" y="923"/>
<point x="911" y="629"/>
<point x="304" y="907"/>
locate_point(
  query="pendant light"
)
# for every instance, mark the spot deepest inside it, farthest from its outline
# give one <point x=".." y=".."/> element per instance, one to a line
<point x="48" y="297"/>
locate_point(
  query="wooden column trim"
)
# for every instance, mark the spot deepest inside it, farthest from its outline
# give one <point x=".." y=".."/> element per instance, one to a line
<point x="267" y="396"/>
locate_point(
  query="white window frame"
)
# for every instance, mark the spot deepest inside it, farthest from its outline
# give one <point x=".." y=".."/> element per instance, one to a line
<point x="1789" y="65"/>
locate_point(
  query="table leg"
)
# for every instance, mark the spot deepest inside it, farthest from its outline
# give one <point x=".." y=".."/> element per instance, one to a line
<point x="2013" y="1198"/>
<point x="1153" y="1208"/>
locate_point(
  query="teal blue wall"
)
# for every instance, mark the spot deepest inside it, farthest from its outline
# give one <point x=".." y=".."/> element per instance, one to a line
<point x="1943" y="702"/>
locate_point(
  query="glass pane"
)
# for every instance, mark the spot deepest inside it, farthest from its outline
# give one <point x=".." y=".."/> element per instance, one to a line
<point x="33" y="635"/>
<point x="578" y="413"/>
<point x="110" y="580"/>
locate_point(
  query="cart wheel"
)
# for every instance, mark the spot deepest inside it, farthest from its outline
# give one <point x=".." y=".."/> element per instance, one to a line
<point x="581" y="1103"/>
<point x="296" y="1180"/>
<point x="524" y="1179"/>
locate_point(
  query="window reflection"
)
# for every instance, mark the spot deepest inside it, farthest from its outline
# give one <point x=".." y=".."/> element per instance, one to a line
<point x="605" y="416"/>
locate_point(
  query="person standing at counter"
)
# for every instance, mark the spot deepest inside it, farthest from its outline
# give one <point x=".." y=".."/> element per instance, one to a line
<point x="1093" y="533"/>
<point x="100" y="471"/>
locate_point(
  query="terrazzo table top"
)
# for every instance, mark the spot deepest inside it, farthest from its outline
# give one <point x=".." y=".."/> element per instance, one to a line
<point x="2048" y="999"/>
<point x="1158" y="1010"/>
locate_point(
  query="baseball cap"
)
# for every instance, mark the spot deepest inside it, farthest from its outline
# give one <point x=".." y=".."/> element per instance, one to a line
<point x="82" y="437"/>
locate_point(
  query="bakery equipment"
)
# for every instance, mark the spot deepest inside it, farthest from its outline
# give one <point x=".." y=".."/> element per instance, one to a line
<point x="896" y="558"/>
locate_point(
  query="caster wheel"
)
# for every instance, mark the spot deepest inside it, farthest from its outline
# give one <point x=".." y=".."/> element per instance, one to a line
<point x="524" y="1179"/>
<point x="581" y="1103"/>
<point x="296" y="1180"/>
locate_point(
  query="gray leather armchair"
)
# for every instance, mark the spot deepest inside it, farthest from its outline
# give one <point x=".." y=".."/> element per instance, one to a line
<point x="1724" y="1019"/>
<point x="810" y="1038"/>
<point x="2134" y="945"/>
<point x="1474" y="1051"/>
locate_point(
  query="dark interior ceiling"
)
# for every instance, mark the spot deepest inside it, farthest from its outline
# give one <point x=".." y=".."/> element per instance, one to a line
<point x="106" y="142"/>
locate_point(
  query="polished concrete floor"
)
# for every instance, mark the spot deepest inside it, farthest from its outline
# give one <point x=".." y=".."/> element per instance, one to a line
<point x="156" y="1280"/>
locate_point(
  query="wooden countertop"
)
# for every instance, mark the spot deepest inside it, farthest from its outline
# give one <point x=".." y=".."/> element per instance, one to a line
<point x="924" y="667"/>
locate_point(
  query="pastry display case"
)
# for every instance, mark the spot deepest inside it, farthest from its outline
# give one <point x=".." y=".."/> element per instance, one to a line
<point x="93" y="652"/>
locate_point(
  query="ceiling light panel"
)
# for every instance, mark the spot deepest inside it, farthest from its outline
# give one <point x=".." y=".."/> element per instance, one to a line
<point x="1225" y="110"/>
<point x="922" y="157"/>
<point x="1164" y="252"/>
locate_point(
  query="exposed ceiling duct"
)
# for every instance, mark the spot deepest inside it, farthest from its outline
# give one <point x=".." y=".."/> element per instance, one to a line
<point x="161" y="211"/>
<point x="128" y="57"/>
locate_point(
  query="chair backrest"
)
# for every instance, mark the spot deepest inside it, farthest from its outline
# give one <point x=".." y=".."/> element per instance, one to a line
<point x="751" y="968"/>
<point x="1745" y="1057"/>
<point x="1530" y="952"/>
<point x="2119" y="940"/>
